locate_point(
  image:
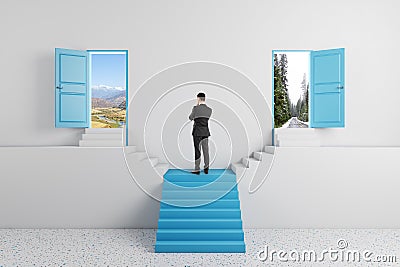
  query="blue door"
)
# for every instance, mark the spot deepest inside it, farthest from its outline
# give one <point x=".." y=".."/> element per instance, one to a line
<point x="71" y="89"/>
<point x="327" y="88"/>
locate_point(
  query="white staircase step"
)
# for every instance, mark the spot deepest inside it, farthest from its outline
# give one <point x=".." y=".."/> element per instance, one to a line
<point x="248" y="162"/>
<point x="102" y="136"/>
<point x="267" y="157"/>
<point x="298" y="134"/>
<point x="137" y="155"/>
<point x="130" y="149"/>
<point x="269" y="149"/>
<point x="299" y="143"/>
<point x="100" y="143"/>
<point x="104" y="130"/>
<point x="258" y="155"/>
<point x="294" y="131"/>
<point x="237" y="167"/>
<point x="297" y="137"/>
<point x="263" y="156"/>
<point x="162" y="168"/>
<point x="153" y="161"/>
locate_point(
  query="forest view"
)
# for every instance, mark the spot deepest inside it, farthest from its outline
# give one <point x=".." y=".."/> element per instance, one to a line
<point x="284" y="109"/>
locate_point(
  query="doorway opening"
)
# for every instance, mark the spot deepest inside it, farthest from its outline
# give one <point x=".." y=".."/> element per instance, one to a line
<point x="291" y="86"/>
<point x="108" y="88"/>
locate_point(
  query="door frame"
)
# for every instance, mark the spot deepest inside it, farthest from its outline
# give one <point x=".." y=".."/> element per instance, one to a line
<point x="282" y="51"/>
<point x="111" y="51"/>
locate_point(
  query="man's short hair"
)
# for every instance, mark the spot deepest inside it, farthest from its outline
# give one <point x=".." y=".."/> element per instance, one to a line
<point x="202" y="96"/>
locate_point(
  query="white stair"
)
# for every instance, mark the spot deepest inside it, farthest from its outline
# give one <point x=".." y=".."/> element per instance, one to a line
<point x="296" y="137"/>
<point x="237" y="168"/>
<point x="249" y="162"/>
<point x="258" y="155"/>
<point x="100" y="143"/>
<point x="298" y="143"/>
<point x="269" y="149"/>
<point x="153" y="161"/>
<point x="102" y="137"/>
<point x="263" y="156"/>
<point x="137" y="155"/>
<point x="103" y="130"/>
<point x="141" y="164"/>
<point x="162" y="168"/>
<point x="256" y="168"/>
<point x="130" y="149"/>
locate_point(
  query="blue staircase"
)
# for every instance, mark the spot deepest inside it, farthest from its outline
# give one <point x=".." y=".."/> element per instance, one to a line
<point x="200" y="213"/>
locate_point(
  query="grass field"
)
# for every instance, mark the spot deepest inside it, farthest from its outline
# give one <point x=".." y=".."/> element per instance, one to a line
<point x="108" y="117"/>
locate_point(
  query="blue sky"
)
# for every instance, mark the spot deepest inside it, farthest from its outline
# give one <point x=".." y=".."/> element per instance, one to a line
<point x="108" y="69"/>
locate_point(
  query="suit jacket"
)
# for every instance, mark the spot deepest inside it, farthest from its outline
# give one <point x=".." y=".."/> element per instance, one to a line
<point x="200" y="114"/>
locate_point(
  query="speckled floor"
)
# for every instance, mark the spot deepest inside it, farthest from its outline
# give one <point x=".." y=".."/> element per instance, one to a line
<point x="134" y="247"/>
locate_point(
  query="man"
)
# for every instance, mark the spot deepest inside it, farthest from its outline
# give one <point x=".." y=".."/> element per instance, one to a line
<point x="201" y="113"/>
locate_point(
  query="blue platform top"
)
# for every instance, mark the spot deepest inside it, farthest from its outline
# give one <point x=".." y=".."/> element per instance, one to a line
<point x="210" y="172"/>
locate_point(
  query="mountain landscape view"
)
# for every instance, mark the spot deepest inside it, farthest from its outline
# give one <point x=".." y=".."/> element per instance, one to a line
<point x="108" y="106"/>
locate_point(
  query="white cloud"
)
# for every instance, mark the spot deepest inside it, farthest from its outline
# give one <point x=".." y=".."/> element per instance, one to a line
<point x="106" y="87"/>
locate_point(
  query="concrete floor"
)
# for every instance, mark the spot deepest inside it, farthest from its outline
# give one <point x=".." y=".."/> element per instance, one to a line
<point x="134" y="247"/>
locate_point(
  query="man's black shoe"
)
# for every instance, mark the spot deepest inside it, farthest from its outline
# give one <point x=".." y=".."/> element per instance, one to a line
<point x="206" y="170"/>
<point x="196" y="172"/>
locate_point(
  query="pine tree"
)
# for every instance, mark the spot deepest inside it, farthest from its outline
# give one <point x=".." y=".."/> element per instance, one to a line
<point x="283" y="64"/>
<point x="292" y="110"/>
<point x="282" y="104"/>
<point x="303" y="114"/>
<point x="298" y="107"/>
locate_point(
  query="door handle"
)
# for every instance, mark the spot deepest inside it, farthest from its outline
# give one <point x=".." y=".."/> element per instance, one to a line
<point x="340" y="87"/>
<point x="59" y="87"/>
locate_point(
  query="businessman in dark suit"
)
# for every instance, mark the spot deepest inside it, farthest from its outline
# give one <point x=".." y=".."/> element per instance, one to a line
<point x="201" y="113"/>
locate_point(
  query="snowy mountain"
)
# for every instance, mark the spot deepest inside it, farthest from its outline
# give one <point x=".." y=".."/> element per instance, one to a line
<point x="104" y="96"/>
<point x="106" y="92"/>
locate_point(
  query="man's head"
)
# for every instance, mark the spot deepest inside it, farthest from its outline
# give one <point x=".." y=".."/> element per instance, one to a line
<point x="201" y="97"/>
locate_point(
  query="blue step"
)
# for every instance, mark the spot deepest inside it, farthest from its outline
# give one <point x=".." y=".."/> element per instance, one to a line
<point x="200" y="234"/>
<point x="199" y="194"/>
<point x="221" y="203"/>
<point x="201" y="246"/>
<point x="200" y="185"/>
<point x="191" y="213"/>
<point x="200" y="213"/>
<point x="213" y="175"/>
<point x="199" y="223"/>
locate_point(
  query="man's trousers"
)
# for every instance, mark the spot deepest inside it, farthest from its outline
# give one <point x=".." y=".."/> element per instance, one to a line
<point x="201" y="142"/>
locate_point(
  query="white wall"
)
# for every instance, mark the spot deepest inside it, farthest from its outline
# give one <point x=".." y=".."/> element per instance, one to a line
<point x="159" y="34"/>
<point x="239" y="123"/>
<point x="307" y="188"/>
<point x="330" y="187"/>
<point x="97" y="192"/>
